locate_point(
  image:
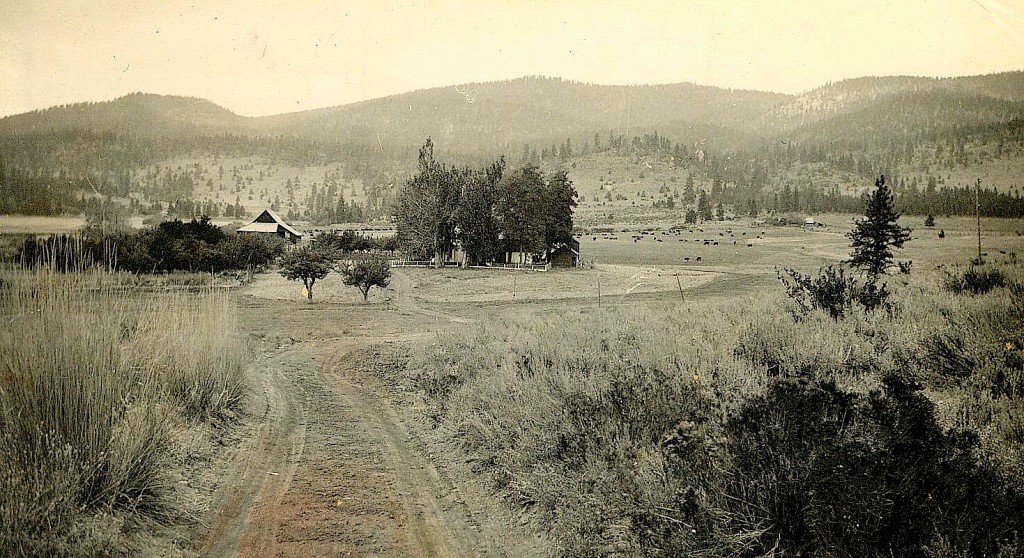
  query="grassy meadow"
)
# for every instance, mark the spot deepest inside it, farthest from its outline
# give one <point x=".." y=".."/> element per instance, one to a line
<point x="743" y="426"/>
<point x="99" y="386"/>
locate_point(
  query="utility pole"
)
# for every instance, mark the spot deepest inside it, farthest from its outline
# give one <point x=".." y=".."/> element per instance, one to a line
<point x="977" y="215"/>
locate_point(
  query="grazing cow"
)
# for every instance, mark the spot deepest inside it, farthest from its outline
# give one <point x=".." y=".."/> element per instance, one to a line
<point x="698" y="258"/>
<point x="686" y="259"/>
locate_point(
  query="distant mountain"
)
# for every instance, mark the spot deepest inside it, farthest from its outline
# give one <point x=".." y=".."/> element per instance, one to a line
<point x="998" y="96"/>
<point x="919" y="129"/>
<point x="138" y="114"/>
<point x="504" y="115"/>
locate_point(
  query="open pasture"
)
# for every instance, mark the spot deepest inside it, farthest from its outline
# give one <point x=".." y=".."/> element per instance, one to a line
<point x="737" y="246"/>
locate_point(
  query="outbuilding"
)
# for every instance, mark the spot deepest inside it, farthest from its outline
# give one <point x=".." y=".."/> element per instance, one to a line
<point x="565" y="254"/>
<point x="270" y="222"/>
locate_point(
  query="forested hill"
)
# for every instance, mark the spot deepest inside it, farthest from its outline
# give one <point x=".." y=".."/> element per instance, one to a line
<point x="840" y="135"/>
<point x="139" y="114"/>
<point x="502" y="116"/>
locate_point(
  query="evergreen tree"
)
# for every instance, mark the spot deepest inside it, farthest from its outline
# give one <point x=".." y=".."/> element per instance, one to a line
<point x="704" y="206"/>
<point x="688" y="193"/>
<point x="878" y="233"/>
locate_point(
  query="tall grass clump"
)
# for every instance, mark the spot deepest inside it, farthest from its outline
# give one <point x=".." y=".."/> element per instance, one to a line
<point x="93" y="381"/>
<point x="739" y="431"/>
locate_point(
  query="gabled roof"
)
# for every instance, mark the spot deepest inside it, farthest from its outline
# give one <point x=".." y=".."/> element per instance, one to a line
<point x="259" y="227"/>
<point x="271" y="218"/>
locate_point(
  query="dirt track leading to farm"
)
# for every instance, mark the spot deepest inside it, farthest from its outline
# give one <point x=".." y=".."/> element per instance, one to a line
<point x="326" y="465"/>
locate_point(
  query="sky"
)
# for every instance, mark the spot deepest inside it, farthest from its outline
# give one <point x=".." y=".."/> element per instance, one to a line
<point x="257" y="58"/>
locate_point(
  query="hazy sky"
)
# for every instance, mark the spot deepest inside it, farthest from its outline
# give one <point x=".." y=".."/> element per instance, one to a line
<point x="260" y="58"/>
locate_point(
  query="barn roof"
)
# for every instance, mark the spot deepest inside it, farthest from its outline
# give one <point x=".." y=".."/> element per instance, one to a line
<point x="259" y="227"/>
<point x="268" y="221"/>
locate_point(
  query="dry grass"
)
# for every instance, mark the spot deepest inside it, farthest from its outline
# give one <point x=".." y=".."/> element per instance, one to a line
<point x="621" y="431"/>
<point x="92" y="382"/>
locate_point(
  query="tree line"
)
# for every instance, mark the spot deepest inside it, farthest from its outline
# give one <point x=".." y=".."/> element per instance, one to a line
<point x="488" y="212"/>
<point x="195" y="246"/>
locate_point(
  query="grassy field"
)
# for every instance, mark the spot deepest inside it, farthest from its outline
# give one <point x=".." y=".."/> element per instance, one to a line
<point x="102" y="395"/>
<point x="731" y="423"/>
<point x="728" y="426"/>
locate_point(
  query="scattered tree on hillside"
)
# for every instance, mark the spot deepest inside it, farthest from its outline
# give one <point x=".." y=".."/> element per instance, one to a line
<point x="689" y="194"/>
<point x="878" y="233"/>
<point x="704" y="206"/>
<point x="308" y="264"/>
<point x="366" y="273"/>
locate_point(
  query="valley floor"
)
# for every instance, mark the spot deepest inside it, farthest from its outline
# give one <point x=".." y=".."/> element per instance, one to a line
<point x="333" y="461"/>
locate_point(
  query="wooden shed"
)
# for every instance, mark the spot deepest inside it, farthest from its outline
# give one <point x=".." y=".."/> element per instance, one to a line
<point x="565" y="254"/>
<point x="269" y="222"/>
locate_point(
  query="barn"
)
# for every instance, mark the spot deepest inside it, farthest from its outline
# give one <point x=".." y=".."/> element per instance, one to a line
<point x="269" y="222"/>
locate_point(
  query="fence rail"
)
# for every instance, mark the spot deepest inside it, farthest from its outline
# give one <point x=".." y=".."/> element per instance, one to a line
<point x="513" y="266"/>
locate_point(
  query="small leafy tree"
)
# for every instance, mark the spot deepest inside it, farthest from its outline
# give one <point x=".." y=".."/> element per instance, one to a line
<point x="878" y="233"/>
<point x="307" y="264"/>
<point x="929" y="221"/>
<point x="365" y="273"/>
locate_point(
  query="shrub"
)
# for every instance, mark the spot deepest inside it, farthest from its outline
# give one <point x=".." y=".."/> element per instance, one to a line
<point x="820" y="471"/>
<point x="975" y="280"/>
<point x="832" y="291"/>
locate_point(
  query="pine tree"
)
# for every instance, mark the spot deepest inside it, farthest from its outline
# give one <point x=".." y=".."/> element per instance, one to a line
<point x="704" y="206"/>
<point x="875" y="236"/>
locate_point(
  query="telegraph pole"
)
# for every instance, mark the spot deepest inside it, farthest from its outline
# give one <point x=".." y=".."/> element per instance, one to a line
<point x="977" y="215"/>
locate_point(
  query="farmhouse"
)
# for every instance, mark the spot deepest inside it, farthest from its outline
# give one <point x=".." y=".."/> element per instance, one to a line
<point x="269" y="222"/>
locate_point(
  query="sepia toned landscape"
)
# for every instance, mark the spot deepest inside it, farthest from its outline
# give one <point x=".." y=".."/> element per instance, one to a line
<point x="444" y="306"/>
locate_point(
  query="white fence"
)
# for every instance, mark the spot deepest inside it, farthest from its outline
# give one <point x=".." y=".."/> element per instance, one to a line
<point x="513" y="266"/>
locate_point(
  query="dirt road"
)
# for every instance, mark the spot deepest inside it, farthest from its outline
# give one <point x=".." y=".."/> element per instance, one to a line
<point x="326" y="465"/>
<point x="329" y="464"/>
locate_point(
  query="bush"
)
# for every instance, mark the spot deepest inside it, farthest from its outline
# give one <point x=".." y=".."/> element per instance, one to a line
<point x="975" y="280"/>
<point x="832" y="291"/>
<point x="821" y="471"/>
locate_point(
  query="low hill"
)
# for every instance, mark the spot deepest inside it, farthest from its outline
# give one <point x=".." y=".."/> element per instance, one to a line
<point x="138" y="114"/>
